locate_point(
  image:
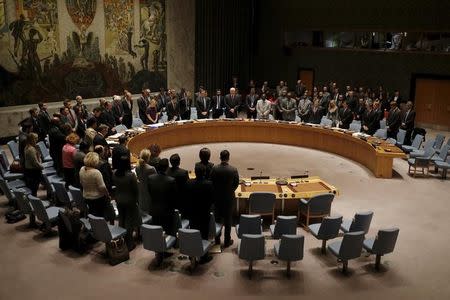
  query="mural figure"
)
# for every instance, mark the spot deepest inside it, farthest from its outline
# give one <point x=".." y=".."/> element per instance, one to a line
<point x="119" y="26"/>
<point x="143" y="43"/>
<point x="17" y="31"/>
<point x="82" y="12"/>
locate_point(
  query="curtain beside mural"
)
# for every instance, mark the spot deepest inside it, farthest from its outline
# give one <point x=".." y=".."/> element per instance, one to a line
<point x="33" y="67"/>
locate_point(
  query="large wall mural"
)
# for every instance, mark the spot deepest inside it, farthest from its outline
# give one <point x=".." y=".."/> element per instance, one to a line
<point x="40" y="60"/>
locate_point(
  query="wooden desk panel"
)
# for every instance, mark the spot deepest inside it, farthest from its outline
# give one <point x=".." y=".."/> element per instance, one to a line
<point x="375" y="159"/>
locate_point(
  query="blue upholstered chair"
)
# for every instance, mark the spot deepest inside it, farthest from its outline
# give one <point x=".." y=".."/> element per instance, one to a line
<point x="192" y="245"/>
<point x="261" y="203"/>
<point x="284" y="225"/>
<point x="154" y="239"/>
<point x="361" y="222"/>
<point x="290" y="248"/>
<point x="251" y="248"/>
<point x="382" y="244"/>
<point x="348" y="248"/>
<point x="316" y="207"/>
<point x="418" y="139"/>
<point x="327" y="230"/>
<point x="249" y="224"/>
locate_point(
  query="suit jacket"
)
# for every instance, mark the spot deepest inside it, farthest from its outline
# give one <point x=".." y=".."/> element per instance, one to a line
<point x="208" y="166"/>
<point x="43" y="120"/>
<point x="225" y="179"/>
<point x="118" y="113"/>
<point x="181" y="177"/>
<point x="304" y="108"/>
<point x="107" y="118"/>
<point x="263" y="109"/>
<point x="251" y="101"/>
<point x="315" y="116"/>
<point x="117" y="152"/>
<point x="163" y="192"/>
<point x="173" y="110"/>
<point x="370" y="119"/>
<point x="163" y="99"/>
<point x="126" y="196"/>
<point x="203" y="104"/>
<point x="143" y="104"/>
<point x="217" y="109"/>
<point x="127" y="113"/>
<point x="394" y="120"/>
<point x="99" y="140"/>
<point x="345" y="117"/>
<point x="300" y="90"/>
<point x="142" y="173"/>
<point x="352" y="103"/>
<point x="199" y="198"/>
<point x="232" y="103"/>
<point x="408" y="119"/>
<point x="288" y="107"/>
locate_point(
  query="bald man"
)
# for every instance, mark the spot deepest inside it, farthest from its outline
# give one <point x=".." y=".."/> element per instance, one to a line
<point x="232" y="102"/>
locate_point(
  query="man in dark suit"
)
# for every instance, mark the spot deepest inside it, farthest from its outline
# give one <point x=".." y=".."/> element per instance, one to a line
<point x="203" y="105"/>
<point x="217" y="104"/>
<point x="181" y="177"/>
<point x="117" y="110"/>
<point x="119" y="150"/>
<point x="232" y="102"/>
<point x="370" y="121"/>
<point x="205" y="155"/>
<point x="199" y="198"/>
<point x="107" y="116"/>
<point x="352" y="101"/>
<point x="173" y="108"/>
<point x="250" y="104"/>
<point x="163" y="192"/>
<point x="100" y="137"/>
<point x="408" y="122"/>
<point x="345" y="116"/>
<point x="393" y="120"/>
<point x="397" y="98"/>
<point x="43" y="120"/>
<point x="163" y="98"/>
<point x="300" y="88"/>
<point x="316" y="113"/>
<point x="225" y="179"/>
<point x="143" y="102"/>
<point x="127" y="106"/>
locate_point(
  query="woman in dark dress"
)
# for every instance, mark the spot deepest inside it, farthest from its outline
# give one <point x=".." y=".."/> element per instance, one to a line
<point x="126" y="195"/>
<point x="152" y="112"/>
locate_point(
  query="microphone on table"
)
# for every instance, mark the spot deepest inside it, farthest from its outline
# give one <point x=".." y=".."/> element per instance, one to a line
<point x="260" y="176"/>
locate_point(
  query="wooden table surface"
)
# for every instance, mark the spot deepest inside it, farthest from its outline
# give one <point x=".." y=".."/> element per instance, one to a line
<point x="375" y="154"/>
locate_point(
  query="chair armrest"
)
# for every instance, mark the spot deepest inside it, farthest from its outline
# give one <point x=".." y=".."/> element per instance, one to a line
<point x="304" y="201"/>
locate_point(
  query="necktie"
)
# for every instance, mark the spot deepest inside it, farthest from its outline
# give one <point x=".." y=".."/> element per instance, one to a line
<point x="72" y="120"/>
<point x="218" y="102"/>
<point x="204" y="103"/>
<point x="406" y="116"/>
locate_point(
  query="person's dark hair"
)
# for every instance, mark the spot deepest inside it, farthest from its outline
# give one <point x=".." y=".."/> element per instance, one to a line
<point x="155" y="150"/>
<point x="162" y="166"/>
<point x="200" y="171"/>
<point x="83" y="146"/>
<point x="175" y="160"/>
<point x="62" y="109"/>
<point x="91" y="122"/>
<point x="123" y="165"/>
<point x="41" y="105"/>
<point x="66" y="129"/>
<point x="224" y="155"/>
<point x="66" y="101"/>
<point x="123" y="139"/>
<point x="97" y="109"/>
<point x="204" y="155"/>
<point x="32" y="110"/>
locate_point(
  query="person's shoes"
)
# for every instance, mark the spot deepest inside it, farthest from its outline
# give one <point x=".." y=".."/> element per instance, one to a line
<point x="228" y="243"/>
<point x="205" y="259"/>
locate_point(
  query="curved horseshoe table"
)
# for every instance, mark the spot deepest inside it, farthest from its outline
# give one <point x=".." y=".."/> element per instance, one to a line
<point x="376" y="155"/>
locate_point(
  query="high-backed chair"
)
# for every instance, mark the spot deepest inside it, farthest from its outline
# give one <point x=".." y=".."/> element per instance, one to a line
<point x="349" y="247"/>
<point x="401" y="135"/>
<point x="421" y="162"/>
<point x="361" y="222"/>
<point x="261" y="203"/>
<point x="356" y="127"/>
<point x="215" y="229"/>
<point x="448" y="143"/>
<point x="383" y="124"/>
<point x="418" y="139"/>
<point x="62" y="195"/>
<point x="45" y="154"/>
<point x="178" y="222"/>
<point x="23" y="203"/>
<point x="381" y="133"/>
<point x="120" y="128"/>
<point x="48" y="216"/>
<point x="289" y="249"/>
<point x="252" y="248"/>
<point x="78" y="200"/>
<point x="192" y="245"/>
<point x="5" y="173"/>
<point x="154" y="239"/>
<point x="443" y="153"/>
<point x="444" y="165"/>
<point x="284" y="225"/>
<point x="326" y="122"/>
<point x="15" y="184"/>
<point x="421" y="152"/>
<point x="14" y="148"/>
<point x="327" y="230"/>
<point x="438" y="141"/>
<point x="316" y="207"/>
<point x="249" y="224"/>
<point x="137" y="122"/>
<point x="382" y="244"/>
<point x="104" y="232"/>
